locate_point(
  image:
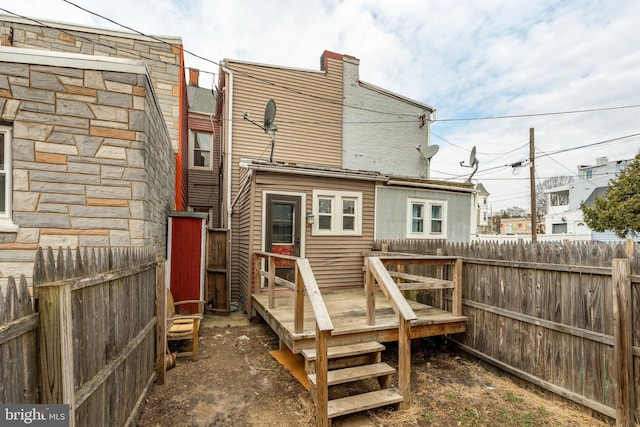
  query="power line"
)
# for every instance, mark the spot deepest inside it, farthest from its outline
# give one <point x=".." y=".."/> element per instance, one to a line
<point x="555" y="113"/>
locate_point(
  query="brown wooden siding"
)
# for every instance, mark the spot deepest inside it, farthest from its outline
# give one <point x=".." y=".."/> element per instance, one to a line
<point x="336" y="260"/>
<point x="309" y="126"/>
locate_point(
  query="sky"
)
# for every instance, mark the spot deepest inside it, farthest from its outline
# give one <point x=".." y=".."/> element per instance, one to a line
<point x="479" y="63"/>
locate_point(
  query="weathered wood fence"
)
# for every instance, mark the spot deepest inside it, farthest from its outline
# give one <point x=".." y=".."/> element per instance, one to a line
<point x="18" y="361"/>
<point x="95" y="315"/>
<point x="556" y="315"/>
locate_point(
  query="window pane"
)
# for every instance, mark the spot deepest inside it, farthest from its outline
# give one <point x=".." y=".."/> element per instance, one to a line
<point x="3" y="205"/>
<point x="324" y="222"/>
<point x="202" y="150"/>
<point x="348" y="223"/>
<point x="203" y="141"/>
<point x="417" y="225"/>
<point x="436" y="226"/>
<point x="2" y="152"/>
<point x="324" y="206"/>
<point x="349" y="207"/>
<point x="436" y="211"/>
<point x="282" y="223"/>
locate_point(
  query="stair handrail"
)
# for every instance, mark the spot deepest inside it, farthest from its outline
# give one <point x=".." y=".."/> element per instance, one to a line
<point x="377" y="272"/>
<point x="305" y="281"/>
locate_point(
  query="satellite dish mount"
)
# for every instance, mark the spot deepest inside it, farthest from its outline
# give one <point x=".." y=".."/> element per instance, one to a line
<point x="269" y="124"/>
<point x="473" y="163"/>
<point x="428" y="153"/>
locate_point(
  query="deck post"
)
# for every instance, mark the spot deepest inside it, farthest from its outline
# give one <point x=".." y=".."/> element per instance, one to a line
<point x="369" y="285"/>
<point x="272" y="283"/>
<point x="298" y="314"/>
<point x="256" y="273"/>
<point x="404" y="362"/>
<point x="322" y="387"/>
<point x="456" y="303"/>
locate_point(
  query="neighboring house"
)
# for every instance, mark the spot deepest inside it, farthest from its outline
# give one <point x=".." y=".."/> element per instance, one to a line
<point x="319" y="197"/>
<point x="484" y="223"/>
<point x="564" y="215"/>
<point x="93" y="124"/>
<point x="87" y="157"/>
<point x="162" y="55"/>
<point x="204" y="151"/>
<point x="515" y="225"/>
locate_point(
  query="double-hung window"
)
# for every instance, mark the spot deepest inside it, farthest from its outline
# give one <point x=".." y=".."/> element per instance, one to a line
<point x="337" y="213"/>
<point x="200" y="153"/>
<point x="426" y="219"/>
<point x="6" y="188"/>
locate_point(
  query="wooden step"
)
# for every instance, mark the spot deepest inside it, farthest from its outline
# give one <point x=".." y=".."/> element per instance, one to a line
<point x="343" y="356"/>
<point x="363" y="402"/>
<point x="348" y="350"/>
<point x="356" y="373"/>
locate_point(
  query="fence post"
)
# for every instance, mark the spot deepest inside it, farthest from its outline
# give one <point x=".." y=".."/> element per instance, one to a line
<point x="369" y="286"/>
<point x="456" y="302"/>
<point x="622" y="324"/>
<point x="56" y="345"/>
<point x="161" y="317"/>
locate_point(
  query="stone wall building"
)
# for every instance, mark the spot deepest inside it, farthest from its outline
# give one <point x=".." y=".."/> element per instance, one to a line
<point x="87" y="156"/>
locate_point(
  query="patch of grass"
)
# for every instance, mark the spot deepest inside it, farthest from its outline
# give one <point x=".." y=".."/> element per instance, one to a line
<point x="510" y="397"/>
<point x="469" y="417"/>
<point x="450" y="396"/>
<point x="429" y="416"/>
<point x="535" y="418"/>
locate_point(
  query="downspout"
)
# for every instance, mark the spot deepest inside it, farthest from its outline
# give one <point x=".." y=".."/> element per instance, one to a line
<point x="229" y="97"/>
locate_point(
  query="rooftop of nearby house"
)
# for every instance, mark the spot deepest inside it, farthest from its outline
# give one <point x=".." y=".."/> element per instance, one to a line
<point x="201" y="100"/>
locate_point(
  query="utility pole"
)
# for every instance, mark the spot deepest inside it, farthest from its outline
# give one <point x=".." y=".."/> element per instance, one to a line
<point x="532" y="180"/>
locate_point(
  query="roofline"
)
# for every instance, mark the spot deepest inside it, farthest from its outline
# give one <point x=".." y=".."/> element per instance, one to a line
<point x="89" y="29"/>
<point x="71" y="60"/>
<point x="226" y="63"/>
<point x="328" y="172"/>
<point x="397" y="96"/>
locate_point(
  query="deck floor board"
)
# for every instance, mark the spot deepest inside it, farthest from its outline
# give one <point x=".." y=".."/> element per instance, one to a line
<point x="347" y="308"/>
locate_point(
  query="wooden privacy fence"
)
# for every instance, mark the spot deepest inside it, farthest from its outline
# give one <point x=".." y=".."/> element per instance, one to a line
<point x="97" y="335"/>
<point x="18" y="362"/>
<point x="557" y="315"/>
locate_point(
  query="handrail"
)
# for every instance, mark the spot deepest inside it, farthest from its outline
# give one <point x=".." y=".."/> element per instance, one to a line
<point x="390" y="289"/>
<point x="305" y="282"/>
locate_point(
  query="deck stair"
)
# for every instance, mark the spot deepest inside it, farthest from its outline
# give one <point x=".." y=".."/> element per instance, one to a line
<point x="351" y="363"/>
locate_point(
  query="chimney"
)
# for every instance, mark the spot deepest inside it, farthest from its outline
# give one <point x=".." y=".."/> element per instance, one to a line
<point x="194" y="76"/>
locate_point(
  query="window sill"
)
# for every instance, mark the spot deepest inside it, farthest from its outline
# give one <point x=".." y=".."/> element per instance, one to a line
<point x="8" y="227"/>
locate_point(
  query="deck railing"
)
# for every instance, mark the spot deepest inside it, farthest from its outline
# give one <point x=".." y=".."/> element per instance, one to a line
<point x="304" y="282"/>
<point x="376" y="272"/>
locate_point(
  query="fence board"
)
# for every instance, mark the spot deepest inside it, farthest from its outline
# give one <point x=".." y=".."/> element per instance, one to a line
<point x="553" y="306"/>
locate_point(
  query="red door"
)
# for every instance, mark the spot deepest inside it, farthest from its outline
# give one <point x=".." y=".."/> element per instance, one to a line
<point x="186" y="257"/>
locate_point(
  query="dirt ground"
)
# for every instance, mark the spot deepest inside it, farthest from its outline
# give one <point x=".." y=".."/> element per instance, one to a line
<point x="236" y="382"/>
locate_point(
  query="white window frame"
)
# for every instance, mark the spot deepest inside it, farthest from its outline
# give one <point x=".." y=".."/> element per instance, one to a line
<point x="192" y="145"/>
<point x="337" y="215"/>
<point x="426" y="232"/>
<point x="6" y="223"/>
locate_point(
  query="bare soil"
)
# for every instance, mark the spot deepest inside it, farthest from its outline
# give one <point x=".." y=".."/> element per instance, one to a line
<point x="236" y="382"/>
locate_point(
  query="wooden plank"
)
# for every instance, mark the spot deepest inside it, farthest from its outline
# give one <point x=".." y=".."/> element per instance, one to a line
<point x="161" y="316"/>
<point x="623" y="341"/>
<point x="322" y="388"/>
<point x="346" y="350"/>
<point x="323" y="320"/>
<point x="355" y="373"/>
<point x="16" y="328"/>
<point x="362" y="402"/>
<point x="456" y="305"/>
<point x="56" y="346"/>
<point x="298" y="315"/>
<point x="389" y="288"/>
<point x="404" y="363"/>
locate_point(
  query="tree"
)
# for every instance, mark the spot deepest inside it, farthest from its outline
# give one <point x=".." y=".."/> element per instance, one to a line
<point x="618" y="209"/>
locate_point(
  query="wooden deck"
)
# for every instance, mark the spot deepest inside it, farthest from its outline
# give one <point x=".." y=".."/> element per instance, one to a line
<point x="347" y="309"/>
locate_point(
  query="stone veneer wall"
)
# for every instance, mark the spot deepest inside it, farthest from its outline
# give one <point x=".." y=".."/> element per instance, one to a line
<point x="161" y="54"/>
<point x="92" y="161"/>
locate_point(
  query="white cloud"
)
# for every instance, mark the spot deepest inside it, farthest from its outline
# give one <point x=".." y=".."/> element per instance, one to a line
<point x="473" y="58"/>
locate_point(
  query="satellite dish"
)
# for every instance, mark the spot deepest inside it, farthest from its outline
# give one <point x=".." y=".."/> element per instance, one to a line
<point x="472" y="156"/>
<point x="431" y="151"/>
<point x="473" y="163"/>
<point x="269" y="115"/>
<point x="269" y="124"/>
